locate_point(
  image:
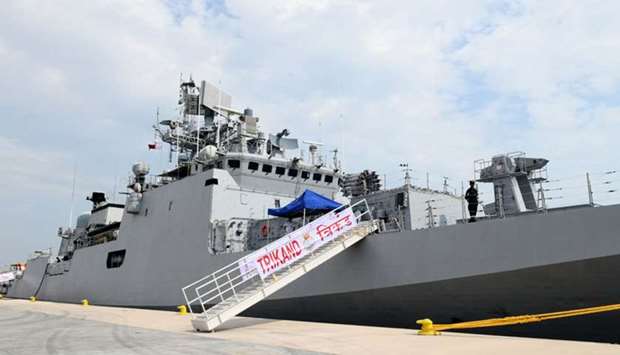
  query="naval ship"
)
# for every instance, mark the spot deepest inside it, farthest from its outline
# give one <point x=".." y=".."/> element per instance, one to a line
<point x="426" y="260"/>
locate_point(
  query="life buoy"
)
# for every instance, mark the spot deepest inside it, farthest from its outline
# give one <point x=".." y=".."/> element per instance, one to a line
<point x="264" y="230"/>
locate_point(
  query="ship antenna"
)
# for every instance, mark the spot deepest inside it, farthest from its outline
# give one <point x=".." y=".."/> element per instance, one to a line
<point x="429" y="213"/>
<point x="336" y="163"/>
<point x="176" y="129"/>
<point x="342" y="150"/>
<point x="218" y="114"/>
<point x="197" y="120"/>
<point x="72" y="194"/>
<point x="406" y="170"/>
<point x="156" y="123"/>
<point x="114" y="189"/>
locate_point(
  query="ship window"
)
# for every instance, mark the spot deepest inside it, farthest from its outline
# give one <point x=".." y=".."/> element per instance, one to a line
<point x="280" y="170"/>
<point x="292" y="172"/>
<point x="316" y="177"/>
<point x="276" y="203"/>
<point x="253" y="165"/>
<point x="115" y="259"/>
<point x="267" y="168"/>
<point x="212" y="181"/>
<point x="233" y="163"/>
<point x="329" y="179"/>
<point x="305" y="175"/>
<point x="400" y="199"/>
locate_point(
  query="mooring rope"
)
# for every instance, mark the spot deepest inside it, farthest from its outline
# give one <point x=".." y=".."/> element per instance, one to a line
<point x="429" y="328"/>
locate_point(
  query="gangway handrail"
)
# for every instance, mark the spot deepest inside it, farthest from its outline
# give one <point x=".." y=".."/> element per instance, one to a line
<point x="230" y="285"/>
<point x="226" y="279"/>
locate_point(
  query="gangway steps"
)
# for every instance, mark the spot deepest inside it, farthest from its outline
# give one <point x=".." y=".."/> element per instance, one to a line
<point x="238" y="301"/>
<point x="248" y="291"/>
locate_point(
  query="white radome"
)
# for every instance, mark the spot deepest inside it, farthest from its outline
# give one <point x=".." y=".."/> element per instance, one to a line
<point x="207" y="153"/>
<point x="140" y="168"/>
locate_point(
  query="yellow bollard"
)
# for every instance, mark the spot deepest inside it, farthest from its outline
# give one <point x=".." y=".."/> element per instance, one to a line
<point x="182" y="310"/>
<point x="427" y="327"/>
<point x="33" y="299"/>
<point x="85" y="302"/>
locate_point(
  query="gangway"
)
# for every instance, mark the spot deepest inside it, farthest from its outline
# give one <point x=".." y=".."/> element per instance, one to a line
<point x="236" y="287"/>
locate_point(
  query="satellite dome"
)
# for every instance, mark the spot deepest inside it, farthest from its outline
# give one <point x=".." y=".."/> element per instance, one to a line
<point x="140" y="168"/>
<point x="207" y="153"/>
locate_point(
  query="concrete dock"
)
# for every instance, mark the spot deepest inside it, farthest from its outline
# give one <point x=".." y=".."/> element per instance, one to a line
<point x="57" y="328"/>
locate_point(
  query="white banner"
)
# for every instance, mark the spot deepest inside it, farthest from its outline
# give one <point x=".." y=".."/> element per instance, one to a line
<point x="7" y="276"/>
<point x="297" y="244"/>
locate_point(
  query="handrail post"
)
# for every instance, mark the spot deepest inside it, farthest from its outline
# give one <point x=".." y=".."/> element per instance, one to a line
<point x="368" y="210"/>
<point x="201" y="304"/>
<point x="232" y="287"/>
<point x="218" y="287"/>
<point x="187" y="302"/>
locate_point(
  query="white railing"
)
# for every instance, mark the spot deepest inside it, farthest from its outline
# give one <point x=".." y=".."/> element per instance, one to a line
<point x="229" y="281"/>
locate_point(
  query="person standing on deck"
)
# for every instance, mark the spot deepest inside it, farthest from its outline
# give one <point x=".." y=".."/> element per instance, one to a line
<point x="471" y="195"/>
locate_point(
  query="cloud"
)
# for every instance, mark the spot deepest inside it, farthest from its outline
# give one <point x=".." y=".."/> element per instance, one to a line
<point x="433" y="83"/>
<point x="32" y="170"/>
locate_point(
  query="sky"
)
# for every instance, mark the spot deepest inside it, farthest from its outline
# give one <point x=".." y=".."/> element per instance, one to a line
<point x="435" y="84"/>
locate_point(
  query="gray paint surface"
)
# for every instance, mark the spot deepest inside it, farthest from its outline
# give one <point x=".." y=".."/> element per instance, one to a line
<point x="160" y="262"/>
<point x="541" y="289"/>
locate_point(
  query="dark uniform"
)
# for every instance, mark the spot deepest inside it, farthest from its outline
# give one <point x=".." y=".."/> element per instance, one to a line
<point x="471" y="195"/>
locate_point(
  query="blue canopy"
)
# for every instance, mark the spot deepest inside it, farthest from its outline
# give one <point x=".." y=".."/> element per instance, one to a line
<point x="310" y="201"/>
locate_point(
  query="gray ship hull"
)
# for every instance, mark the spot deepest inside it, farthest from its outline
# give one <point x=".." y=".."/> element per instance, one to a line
<point x="533" y="290"/>
<point x="526" y="264"/>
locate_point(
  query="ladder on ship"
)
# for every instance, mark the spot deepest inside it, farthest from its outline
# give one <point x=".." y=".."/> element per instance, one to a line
<point x="236" y="287"/>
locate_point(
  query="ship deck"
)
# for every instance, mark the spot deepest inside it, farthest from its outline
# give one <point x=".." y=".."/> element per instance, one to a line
<point x="53" y="328"/>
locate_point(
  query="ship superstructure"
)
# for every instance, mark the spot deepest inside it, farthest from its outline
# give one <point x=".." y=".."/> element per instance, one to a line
<point x="244" y="170"/>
